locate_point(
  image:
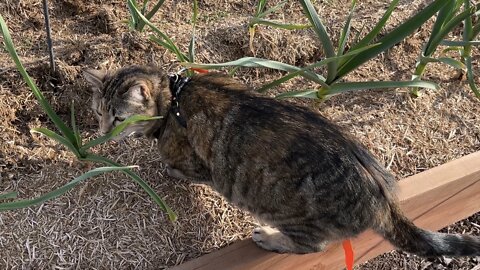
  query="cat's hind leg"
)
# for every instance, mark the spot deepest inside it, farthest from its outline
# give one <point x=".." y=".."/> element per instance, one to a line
<point x="272" y="239"/>
<point x="192" y="173"/>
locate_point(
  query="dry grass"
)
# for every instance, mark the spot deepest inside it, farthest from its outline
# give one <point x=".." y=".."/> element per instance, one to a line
<point x="109" y="222"/>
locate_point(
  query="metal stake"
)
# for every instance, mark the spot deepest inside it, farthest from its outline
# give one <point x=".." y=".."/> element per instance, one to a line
<point x="49" y="36"/>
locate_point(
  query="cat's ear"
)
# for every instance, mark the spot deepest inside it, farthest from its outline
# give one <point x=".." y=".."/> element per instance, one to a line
<point x="95" y="78"/>
<point x="139" y="92"/>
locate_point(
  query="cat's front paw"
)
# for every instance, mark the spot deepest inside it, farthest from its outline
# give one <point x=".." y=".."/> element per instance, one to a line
<point x="175" y="173"/>
<point x="269" y="238"/>
<point x="272" y="239"/>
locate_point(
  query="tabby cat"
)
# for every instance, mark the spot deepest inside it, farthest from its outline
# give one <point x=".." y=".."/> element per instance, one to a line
<point x="287" y="165"/>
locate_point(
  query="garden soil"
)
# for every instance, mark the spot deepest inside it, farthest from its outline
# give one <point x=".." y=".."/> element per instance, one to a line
<point x="109" y="222"/>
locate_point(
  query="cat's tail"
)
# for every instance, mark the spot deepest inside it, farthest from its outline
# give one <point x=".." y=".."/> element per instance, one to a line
<point x="402" y="233"/>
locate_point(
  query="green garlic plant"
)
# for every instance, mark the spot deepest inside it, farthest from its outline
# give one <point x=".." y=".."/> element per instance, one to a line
<point x="164" y="40"/>
<point x="135" y="22"/>
<point x="259" y="18"/>
<point x="449" y="17"/>
<point x="339" y="61"/>
<point x="70" y="137"/>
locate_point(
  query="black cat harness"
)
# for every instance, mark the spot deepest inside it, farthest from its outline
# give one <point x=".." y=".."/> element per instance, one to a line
<point x="177" y="83"/>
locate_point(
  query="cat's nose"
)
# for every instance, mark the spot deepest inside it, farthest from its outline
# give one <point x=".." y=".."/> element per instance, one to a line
<point x="104" y="131"/>
<point x="104" y="126"/>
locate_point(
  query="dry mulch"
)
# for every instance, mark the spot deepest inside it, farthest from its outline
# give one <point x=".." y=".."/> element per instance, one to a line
<point x="109" y="222"/>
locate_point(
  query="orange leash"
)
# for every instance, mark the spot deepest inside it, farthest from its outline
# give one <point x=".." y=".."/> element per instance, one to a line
<point x="199" y="70"/>
<point x="347" y="247"/>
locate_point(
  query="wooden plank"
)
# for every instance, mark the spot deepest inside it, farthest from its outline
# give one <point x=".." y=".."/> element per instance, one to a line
<point x="432" y="199"/>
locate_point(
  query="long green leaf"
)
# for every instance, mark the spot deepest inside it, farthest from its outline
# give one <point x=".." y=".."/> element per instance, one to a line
<point x="471" y="77"/>
<point x="453" y="49"/>
<point x="355" y="86"/>
<point x="310" y="67"/>
<point x="139" y="181"/>
<point x="191" y="46"/>
<point x="364" y="42"/>
<point x="346" y="30"/>
<point x="279" y="81"/>
<point x="378" y="27"/>
<point x="154" y="9"/>
<point x="469" y="33"/>
<point x="322" y="34"/>
<point x="171" y="46"/>
<point x="444" y="14"/>
<point x="260" y="7"/>
<point x="253" y="62"/>
<point x="7" y="39"/>
<point x="446" y="60"/>
<point x="447" y="28"/>
<point x="311" y="94"/>
<point x="455" y="9"/>
<point x="280" y="25"/>
<point x="134" y="22"/>
<point x="468" y="23"/>
<point x="59" y="191"/>
<point x="270" y="10"/>
<point x="392" y="38"/>
<point x="259" y="16"/>
<point x="195" y="12"/>
<point x="144" y="6"/>
<point x="137" y="23"/>
<point x="9" y="195"/>
<point x="58" y="138"/>
<point x="117" y="130"/>
<point x="76" y="131"/>
<point x="162" y="43"/>
<point x="459" y="43"/>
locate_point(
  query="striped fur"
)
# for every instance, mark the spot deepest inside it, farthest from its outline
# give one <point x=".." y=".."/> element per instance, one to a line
<point x="287" y="165"/>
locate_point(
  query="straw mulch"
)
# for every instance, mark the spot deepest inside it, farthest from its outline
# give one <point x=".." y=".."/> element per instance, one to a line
<point x="109" y="222"/>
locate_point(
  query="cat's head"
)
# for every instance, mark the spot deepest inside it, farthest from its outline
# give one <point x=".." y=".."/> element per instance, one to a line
<point x="132" y="90"/>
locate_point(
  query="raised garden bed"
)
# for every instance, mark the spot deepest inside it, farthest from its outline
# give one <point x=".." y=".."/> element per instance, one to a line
<point x="109" y="222"/>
